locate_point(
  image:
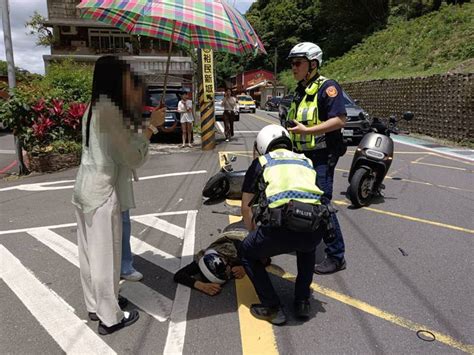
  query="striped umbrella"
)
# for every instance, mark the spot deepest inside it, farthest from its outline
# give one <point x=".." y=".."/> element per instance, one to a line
<point x="212" y="24"/>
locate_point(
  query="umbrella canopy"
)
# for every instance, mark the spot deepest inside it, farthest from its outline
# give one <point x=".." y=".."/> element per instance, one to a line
<point x="212" y="24"/>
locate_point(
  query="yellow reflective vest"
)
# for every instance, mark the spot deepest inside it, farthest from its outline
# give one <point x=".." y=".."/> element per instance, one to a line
<point x="289" y="176"/>
<point x="307" y="114"/>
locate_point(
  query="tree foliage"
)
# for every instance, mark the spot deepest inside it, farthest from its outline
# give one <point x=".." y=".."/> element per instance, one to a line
<point x="36" y="27"/>
<point x="335" y="25"/>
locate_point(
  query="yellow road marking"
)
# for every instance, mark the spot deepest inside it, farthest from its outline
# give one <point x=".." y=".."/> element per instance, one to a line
<point x="416" y="182"/>
<point x="263" y="341"/>
<point x="256" y="335"/>
<point x="442" y="166"/>
<point x="367" y="308"/>
<point x="410" y="218"/>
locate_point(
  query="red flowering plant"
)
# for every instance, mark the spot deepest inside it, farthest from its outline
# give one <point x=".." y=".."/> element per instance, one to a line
<point x="54" y="126"/>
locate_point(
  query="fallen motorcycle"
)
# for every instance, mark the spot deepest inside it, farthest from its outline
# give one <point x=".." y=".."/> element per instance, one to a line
<point x="372" y="160"/>
<point x="227" y="183"/>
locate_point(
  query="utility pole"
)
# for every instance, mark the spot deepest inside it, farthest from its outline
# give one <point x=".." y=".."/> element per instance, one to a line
<point x="7" y="35"/>
<point x="275" y="73"/>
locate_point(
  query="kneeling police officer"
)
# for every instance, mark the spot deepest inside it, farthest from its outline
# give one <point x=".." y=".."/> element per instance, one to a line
<point x="281" y="208"/>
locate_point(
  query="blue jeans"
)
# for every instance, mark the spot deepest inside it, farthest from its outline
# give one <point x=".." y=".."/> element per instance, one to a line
<point x="266" y="242"/>
<point x="127" y="257"/>
<point x="325" y="180"/>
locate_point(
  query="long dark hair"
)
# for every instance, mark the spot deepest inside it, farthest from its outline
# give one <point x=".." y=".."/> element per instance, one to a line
<point x="109" y="72"/>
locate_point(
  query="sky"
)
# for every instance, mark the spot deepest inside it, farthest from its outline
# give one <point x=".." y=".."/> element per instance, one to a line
<point x="29" y="56"/>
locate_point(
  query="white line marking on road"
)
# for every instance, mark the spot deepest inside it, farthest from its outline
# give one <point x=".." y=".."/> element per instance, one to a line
<point x="46" y="186"/>
<point x="150" y="301"/>
<point x="58" y="244"/>
<point x="162" y="225"/>
<point x="220" y="127"/>
<point x="3" y="151"/>
<point x="177" y="327"/>
<point x="436" y="151"/>
<point x="51" y="311"/>
<point x="154" y="255"/>
<point x="153" y="303"/>
<point x="65" y="225"/>
<point x="246" y="132"/>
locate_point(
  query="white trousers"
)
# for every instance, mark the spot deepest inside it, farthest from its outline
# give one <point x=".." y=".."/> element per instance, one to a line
<point x="99" y="238"/>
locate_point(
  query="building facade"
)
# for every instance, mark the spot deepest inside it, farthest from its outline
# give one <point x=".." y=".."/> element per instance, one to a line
<point x="84" y="41"/>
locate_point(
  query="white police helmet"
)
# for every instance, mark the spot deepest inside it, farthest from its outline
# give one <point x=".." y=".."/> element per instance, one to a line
<point x="213" y="267"/>
<point x="307" y="50"/>
<point x="270" y="136"/>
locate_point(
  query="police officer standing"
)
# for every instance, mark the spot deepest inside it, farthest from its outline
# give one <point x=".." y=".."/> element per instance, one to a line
<point x="315" y="119"/>
<point x="280" y="204"/>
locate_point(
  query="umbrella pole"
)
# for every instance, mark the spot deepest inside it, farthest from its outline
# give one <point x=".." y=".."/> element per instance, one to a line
<point x="170" y="48"/>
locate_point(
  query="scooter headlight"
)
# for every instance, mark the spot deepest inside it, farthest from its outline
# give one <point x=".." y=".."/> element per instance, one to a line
<point x="374" y="154"/>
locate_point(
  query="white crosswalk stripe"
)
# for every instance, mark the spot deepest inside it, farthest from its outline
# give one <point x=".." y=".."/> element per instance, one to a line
<point x="68" y="330"/>
<point x="157" y="305"/>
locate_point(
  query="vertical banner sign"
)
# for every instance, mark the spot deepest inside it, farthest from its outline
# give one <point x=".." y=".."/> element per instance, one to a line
<point x="208" y="74"/>
<point x="206" y="99"/>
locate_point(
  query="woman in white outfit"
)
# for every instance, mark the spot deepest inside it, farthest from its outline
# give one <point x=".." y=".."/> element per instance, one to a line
<point x="112" y="147"/>
<point x="185" y="107"/>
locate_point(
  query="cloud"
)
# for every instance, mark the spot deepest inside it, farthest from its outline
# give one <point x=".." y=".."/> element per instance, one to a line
<point x="27" y="55"/>
<point x="242" y="5"/>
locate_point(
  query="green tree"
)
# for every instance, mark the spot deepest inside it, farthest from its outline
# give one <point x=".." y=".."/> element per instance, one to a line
<point x="37" y="28"/>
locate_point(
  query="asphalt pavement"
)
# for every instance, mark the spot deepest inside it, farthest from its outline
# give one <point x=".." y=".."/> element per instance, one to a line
<point x="407" y="289"/>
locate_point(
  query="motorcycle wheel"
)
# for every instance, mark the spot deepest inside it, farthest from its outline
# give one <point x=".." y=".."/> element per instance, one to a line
<point x="216" y="187"/>
<point x="359" y="191"/>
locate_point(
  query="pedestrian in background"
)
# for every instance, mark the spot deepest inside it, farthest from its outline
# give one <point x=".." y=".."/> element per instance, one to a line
<point x="230" y="105"/>
<point x="111" y="147"/>
<point x="185" y="108"/>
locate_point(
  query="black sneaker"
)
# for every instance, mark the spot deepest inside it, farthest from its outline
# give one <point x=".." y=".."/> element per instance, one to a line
<point x="330" y="266"/>
<point x="122" y="301"/>
<point x="126" y="321"/>
<point x="274" y="315"/>
<point x="302" y="309"/>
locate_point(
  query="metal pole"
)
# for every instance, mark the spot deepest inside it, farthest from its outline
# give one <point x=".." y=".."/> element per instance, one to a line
<point x="275" y="70"/>
<point x="7" y="35"/>
<point x="165" y="84"/>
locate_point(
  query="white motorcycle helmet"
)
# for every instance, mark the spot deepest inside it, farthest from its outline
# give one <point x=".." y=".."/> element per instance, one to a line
<point x="307" y="50"/>
<point x="270" y="136"/>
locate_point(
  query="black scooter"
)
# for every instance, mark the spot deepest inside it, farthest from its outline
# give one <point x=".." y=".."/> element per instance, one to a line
<point x="372" y="160"/>
<point x="227" y="183"/>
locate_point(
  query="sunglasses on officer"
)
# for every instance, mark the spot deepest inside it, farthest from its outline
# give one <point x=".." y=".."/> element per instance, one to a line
<point x="297" y="63"/>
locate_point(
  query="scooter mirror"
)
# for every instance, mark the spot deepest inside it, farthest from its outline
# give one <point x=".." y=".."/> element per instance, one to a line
<point x="408" y="116"/>
<point x="233" y="158"/>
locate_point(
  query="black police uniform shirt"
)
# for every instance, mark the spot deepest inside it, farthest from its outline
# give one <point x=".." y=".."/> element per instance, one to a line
<point x="330" y="104"/>
<point x="251" y="177"/>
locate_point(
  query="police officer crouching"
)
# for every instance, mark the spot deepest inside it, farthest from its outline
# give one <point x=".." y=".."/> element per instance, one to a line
<point x="282" y="210"/>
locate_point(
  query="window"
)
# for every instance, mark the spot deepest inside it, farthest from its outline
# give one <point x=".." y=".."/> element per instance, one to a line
<point x="106" y="40"/>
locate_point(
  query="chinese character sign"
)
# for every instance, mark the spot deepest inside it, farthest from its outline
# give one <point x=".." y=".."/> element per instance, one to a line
<point x="208" y="74"/>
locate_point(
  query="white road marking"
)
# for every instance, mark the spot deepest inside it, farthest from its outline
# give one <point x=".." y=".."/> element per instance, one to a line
<point x="46" y="186"/>
<point x="246" y="132"/>
<point x="65" y="225"/>
<point x="177" y="327"/>
<point x="52" y="312"/>
<point x="155" y="304"/>
<point x="220" y="126"/>
<point x="162" y="225"/>
<point x="3" y="151"/>
<point x="154" y="255"/>
<point x="150" y="301"/>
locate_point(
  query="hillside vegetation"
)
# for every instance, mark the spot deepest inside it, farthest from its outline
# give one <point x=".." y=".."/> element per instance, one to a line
<point x="436" y="43"/>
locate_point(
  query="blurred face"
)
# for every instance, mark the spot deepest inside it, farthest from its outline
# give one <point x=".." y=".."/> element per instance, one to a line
<point x="185" y="96"/>
<point x="133" y="92"/>
<point x="300" y="67"/>
<point x="228" y="92"/>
